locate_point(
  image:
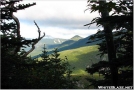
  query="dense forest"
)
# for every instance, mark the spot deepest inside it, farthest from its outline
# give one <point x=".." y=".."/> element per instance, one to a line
<point x="54" y="70"/>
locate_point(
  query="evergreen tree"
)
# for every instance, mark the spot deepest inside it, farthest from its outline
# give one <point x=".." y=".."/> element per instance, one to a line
<point x="15" y="65"/>
<point x="53" y="72"/>
<point x="121" y="71"/>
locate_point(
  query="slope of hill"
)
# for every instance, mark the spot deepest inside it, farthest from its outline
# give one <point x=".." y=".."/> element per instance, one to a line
<point x="81" y="57"/>
<point x="70" y="44"/>
<point x="76" y="44"/>
<point x="49" y="44"/>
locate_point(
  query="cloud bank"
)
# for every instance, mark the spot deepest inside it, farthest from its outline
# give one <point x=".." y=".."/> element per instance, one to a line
<point x="60" y="19"/>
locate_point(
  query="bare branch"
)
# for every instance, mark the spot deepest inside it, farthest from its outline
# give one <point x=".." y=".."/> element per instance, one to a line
<point x="38" y="28"/>
<point x="36" y="41"/>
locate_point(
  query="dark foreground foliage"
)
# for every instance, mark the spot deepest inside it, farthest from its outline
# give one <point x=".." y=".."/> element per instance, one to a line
<point x="118" y="70"/>
<point x="21" y="72"/>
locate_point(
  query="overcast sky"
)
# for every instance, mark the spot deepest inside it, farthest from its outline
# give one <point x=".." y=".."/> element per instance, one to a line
<point x="57" y="18"/>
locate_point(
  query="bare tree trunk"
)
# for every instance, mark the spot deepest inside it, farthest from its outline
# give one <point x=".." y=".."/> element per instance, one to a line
<point x="110" y="46"/>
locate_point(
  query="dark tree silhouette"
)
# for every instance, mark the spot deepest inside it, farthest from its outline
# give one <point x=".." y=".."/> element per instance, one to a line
<point x="13" y="59"/>
<point x="55" y="72"/>
<point x="18" y="71"/>
<point x="117" y="44"/>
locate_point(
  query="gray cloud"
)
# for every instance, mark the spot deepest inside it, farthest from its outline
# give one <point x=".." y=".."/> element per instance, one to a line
<point x="66" y="23"/>
<point x="57" y="18"/>
<point x="64" y="14"/>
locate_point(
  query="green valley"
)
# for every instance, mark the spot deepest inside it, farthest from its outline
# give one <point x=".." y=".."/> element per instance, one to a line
<point x="78" y="52"/>
<point x="81" y="57"/>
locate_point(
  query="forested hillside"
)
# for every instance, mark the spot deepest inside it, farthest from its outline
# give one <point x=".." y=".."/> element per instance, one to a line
<point x="81" y="57"/>
<point x="67" y="45"/>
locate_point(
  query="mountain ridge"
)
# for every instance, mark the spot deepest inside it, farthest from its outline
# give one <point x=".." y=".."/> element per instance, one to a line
<point x="70" y="44"/>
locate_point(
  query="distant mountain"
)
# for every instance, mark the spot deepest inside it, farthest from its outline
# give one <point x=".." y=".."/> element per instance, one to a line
<point x="60" y="43"/>
<point x="70" y="44"/>
<point x="66" y="43"/>
<point x="76" y="44"/>
<point x="76" y="38"/>
<point x="49" y="42"/>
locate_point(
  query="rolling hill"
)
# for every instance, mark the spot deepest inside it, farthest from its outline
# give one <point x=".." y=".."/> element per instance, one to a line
<point x="76" y="44"/>
<point x="79" y="53"/>
<point x="81" y="57"/>
<point x="72" y="43"/>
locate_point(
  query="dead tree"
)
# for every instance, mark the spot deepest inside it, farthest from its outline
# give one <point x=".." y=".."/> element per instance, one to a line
<point x="36" y="41"/>
<point x="9" y="9"/>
